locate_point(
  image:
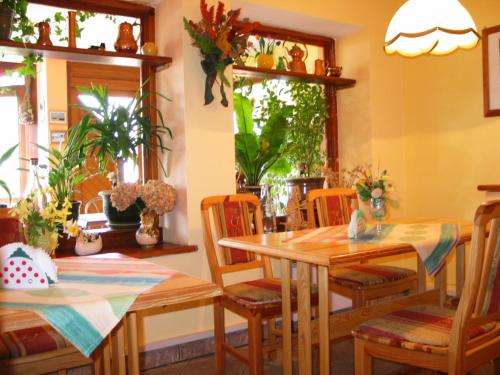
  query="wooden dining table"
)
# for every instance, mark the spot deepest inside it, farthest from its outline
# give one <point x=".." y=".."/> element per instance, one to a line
<point x="327" y="256"/>
<point x="120" y="354"/>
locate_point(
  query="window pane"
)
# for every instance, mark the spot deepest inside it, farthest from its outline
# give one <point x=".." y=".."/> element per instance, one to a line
<point x="10" y="136"/>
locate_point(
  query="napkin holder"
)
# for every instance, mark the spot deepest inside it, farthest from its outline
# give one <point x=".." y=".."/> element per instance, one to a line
<point x="26" y="267"/>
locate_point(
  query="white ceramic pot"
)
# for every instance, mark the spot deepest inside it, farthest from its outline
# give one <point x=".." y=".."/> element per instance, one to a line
<point x="85" y="247"/>
<point x="145" y="239"/>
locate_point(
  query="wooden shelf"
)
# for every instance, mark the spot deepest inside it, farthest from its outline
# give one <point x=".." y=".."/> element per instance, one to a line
<point x="494" y="188"/>
<point x="8" y="47"/>
<point x="252" y="72"/>
<point x="123" y="241"/>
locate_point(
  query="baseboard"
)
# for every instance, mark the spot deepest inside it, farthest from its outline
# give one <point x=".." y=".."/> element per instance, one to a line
<point x="188" y="347"/>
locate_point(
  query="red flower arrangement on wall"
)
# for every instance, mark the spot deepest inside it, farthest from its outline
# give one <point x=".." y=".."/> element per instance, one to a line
<point x="220" y="42"/>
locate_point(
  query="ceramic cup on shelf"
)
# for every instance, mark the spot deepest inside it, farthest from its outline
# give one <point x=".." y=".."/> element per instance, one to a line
<point x="149" y="48"/>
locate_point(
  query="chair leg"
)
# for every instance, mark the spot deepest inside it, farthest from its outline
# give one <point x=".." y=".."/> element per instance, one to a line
<point x="271" y="338"/>
<point x="255" y="345"/>
<point x="362" y="360"/>
<point x="219" y="335"/>
<point x="357" y="299"/>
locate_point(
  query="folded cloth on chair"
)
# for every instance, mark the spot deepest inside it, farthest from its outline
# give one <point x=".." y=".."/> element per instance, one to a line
<point x="433" y="242"/>
<point x="91" y="297"/>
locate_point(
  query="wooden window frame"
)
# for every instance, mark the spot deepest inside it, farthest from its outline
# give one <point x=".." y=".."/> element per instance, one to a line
<point x="146" y="15"/>
<point x="328" y="45"/>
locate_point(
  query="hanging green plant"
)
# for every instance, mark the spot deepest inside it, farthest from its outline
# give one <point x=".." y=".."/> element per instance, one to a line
<point x="220" y="44"/>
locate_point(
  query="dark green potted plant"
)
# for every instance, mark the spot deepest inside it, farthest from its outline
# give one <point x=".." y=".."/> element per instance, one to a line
<point x="115" y="134"/>
<point x="257" y="153"/>
<point x="13" y="18"/>
<point x="307" y="131"/>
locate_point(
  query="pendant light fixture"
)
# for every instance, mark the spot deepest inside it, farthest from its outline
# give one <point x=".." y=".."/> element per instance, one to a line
<point x="436" y="27"/>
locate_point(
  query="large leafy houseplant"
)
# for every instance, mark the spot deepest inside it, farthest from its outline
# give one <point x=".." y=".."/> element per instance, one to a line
<point x="257" y="153"/>
<point x="307" y="130"/>
<point x="116" y="132"/>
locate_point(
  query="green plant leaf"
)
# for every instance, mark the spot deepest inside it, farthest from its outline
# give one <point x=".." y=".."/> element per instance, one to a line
<point x="243" y="108"/>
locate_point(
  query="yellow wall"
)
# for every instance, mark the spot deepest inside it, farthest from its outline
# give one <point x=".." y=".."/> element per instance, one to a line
<point x="420" y="118"/>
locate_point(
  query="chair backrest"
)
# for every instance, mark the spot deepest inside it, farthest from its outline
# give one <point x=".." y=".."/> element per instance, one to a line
<point x="10" y="230"/>
<point x="333" y="206"/>
<point x="480" y="300"/>
<point x="231" y="216"/>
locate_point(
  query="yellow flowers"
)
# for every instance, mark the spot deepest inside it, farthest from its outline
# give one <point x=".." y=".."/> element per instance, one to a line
<point x="43" y="218"/>
<point x="72" y="228"/>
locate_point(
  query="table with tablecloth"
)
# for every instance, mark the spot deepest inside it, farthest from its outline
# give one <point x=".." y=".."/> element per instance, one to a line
<point x="329" y="247"/>
<point x="93" y="295"/>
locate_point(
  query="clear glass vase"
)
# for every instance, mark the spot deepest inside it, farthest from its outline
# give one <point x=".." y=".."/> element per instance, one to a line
<point x="377" y="210"/>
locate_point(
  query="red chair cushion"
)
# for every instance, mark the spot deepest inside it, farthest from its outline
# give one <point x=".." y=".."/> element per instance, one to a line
<point x="424" y="328"/>
<point x="257" y="293"/>
<point x="30" y="341"/>
<point x="357" y="275"/>
<point x="234" y="226"/>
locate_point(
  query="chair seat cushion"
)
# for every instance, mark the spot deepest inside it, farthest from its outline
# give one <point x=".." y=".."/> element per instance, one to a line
<point x="30" y="341"/>
<point x="357" y="275"/>
<point x="258" y="293"/>
<point x="425" y="328"/>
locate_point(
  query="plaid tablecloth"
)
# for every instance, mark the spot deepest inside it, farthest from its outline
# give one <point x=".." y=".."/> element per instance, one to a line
<point x="433" y="242"/>
<point x="91" y="297"/>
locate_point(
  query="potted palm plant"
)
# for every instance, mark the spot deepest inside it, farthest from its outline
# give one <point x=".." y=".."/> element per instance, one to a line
<point x="307" y="131"/>
<point x="257" y="153"/>
<point x="115" y="134"/>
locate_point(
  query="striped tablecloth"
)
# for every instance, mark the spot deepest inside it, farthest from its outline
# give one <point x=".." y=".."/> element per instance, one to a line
<point x="433" y="242"/>
<point x="91" y="297"/>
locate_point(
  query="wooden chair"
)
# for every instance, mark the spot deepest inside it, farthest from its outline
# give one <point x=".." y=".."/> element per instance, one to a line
<point x="442" y="339"/>
<point x="256" y="300"/>
<point x="360" y="282"/>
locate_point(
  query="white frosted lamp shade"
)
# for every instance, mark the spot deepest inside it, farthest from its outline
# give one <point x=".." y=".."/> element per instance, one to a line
<point x="437" y="27"/>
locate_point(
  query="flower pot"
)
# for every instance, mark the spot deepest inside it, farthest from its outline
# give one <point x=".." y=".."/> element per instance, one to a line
<point x="255" y="190"/>
<point x="88" y="245"/>
<point x="75" y="211"/>
<point x="305" y="184"/>
<point x="130" y="218"/>
<point x="6" y="15"/>
<point x="265" y="61"/>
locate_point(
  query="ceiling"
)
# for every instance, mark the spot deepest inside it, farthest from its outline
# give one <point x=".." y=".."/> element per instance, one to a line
<point x="279" y="18"/>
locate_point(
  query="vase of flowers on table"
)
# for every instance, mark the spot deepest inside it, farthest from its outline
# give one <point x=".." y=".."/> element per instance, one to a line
<point x="375" y="190"/>
<point x="44" y="219"/>
<point x="153" y="199"/>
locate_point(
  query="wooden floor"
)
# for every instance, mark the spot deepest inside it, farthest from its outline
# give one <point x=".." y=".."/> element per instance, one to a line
<point x="343" y="364"/>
